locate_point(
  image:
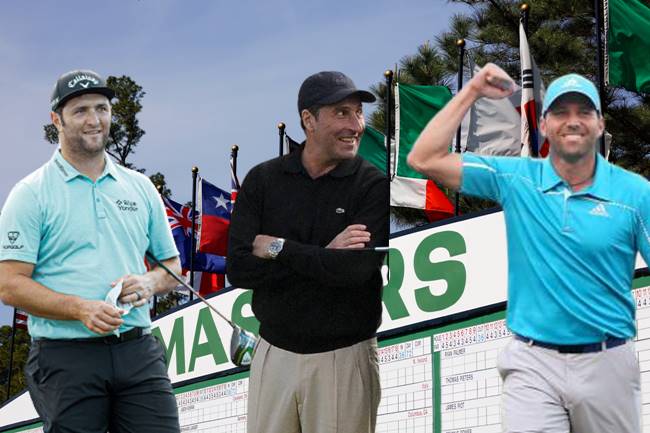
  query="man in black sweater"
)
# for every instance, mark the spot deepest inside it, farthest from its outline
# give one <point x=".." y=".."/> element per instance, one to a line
<point x="302" y="237"/>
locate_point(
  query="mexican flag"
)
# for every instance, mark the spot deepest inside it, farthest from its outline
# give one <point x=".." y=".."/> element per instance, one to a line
<point x="414" y="107"/>
<point x="627" y="27"/>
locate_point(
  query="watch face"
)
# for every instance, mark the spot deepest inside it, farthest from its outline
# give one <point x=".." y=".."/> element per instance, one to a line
<point x="275" y="247"/>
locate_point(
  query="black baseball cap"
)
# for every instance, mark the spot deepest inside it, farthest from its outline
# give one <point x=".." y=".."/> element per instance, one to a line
<point x="76" y="83"/>
<point x="328" y="87"/>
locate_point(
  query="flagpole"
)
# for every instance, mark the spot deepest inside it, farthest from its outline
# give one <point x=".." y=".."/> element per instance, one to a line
<point x="152" y="314"/>
<point x="460" y="43"/>
<point x="281" y="127"/>
<point x="195" y="172"/>
<point x="11" y="355"/>
<point x="233" y="154"/>
<point x="525" y="10"/>
<point x="387" y="118"/>
<point x="601" y="68"/>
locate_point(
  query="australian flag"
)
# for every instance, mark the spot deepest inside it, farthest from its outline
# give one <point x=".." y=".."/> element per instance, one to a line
<point x="180" y="222"/>
<point x="216" y="207"/>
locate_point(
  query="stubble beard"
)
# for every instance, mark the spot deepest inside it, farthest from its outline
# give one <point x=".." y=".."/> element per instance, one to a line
<point x="81" y="147"/>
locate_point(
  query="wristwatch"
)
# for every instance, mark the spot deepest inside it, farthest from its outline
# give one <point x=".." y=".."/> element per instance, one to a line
<point x="275" y="247"/>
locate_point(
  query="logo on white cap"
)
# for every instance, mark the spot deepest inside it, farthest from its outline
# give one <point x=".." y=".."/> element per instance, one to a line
<point x="83" y="80"/>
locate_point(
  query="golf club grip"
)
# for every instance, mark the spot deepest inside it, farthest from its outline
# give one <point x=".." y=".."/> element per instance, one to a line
<point x="187" y="286"/>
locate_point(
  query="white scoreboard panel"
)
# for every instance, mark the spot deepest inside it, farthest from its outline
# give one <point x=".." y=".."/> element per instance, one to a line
<point x="406" y="377"/>
<point x="468" y="386"/>
<point x="642" y="296"/>
<point x="216" y="406"/>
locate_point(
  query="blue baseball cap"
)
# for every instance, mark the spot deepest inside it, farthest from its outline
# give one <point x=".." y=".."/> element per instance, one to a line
<point x="571" y="83"/>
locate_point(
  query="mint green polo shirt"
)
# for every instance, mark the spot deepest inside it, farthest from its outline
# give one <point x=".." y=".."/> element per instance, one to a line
<point x="571" y="255"/>
<point x="82" y="235"/>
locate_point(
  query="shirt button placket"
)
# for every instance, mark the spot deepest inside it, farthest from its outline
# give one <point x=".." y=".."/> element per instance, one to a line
<point x="99" y="207"/>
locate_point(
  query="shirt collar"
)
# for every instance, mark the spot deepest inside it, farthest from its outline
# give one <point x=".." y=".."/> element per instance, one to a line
<point x="599" y="188"/>
<point x="292" y="163"/>
<point x="69" y="172"/>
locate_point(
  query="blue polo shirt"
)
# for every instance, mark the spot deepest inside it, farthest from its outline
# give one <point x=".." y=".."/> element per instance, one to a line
<point x="82" y="235"/>
<point x="571" y="255"/>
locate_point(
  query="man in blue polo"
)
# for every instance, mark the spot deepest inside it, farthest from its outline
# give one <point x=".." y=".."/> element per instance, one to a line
<point x="575" y="224"/>
<point x="73" y="237"/>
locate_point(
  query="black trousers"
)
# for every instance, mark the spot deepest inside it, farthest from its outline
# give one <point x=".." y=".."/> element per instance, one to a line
<point x="95" y="387"/>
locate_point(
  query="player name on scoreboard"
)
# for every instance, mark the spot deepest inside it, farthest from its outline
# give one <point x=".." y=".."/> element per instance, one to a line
<point x="470" y="385"/>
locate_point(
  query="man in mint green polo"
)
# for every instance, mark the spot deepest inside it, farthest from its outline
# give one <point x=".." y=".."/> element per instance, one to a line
<point x="73" y="237"/>
<point x="574" y="224"/>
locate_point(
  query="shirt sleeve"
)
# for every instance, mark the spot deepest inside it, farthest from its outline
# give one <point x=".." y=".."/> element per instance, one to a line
<point x="346" y="267"/>
<point x="486" y="176"/>
<point x="243" y="268"/>
<point x="20" y="225"/>
<point x="161" y="241"/>
<point x="643" y="228"/>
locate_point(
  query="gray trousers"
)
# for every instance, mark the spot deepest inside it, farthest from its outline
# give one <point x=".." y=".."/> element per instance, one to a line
<point x="93" y="387"/>
<point x="550" y="392"/>
<point x="330" y="392"/>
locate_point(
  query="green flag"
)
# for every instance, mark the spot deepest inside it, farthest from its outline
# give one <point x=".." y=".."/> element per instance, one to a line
<point x="628" y="44"/>
<point x="415" y="106"/>
<point x="373" y="148"/>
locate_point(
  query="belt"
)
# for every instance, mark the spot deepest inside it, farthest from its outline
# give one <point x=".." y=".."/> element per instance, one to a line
<point x="575" y="348"/>
<point x="129" y="335"/>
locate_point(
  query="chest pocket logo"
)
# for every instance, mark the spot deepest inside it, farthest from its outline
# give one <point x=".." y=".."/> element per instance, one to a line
<point x="127" y="205"/>
<point x="340" y="210"/>
<point x="600" y="211"/>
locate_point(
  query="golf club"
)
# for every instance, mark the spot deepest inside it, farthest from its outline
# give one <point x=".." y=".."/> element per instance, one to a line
<point x="242" y="342"/>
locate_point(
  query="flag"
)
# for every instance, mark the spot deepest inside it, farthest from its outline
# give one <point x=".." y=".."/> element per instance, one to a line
<point x="205" y="281"/>
<point x="532" y="95"/>
<point x="414" y="107"/>
<point x="290" y="145"/>
<point x="627" y="29"/>
<point x="373" y="149"/>
<point x="209" y="283"/>
<point x="215" y="208"/>
<point x="179" y="218"/>
<point x="234" y="181"/>
<point x="20" y="319"/>
<point x="492" y="126"/>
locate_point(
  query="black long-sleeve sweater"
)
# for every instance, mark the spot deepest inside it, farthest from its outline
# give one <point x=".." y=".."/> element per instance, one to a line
<point x="311" y="298"/>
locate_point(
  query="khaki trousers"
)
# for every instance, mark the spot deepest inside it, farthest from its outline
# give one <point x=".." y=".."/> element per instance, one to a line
<point x="329" y="392"/>
<point x="550" y="392"/>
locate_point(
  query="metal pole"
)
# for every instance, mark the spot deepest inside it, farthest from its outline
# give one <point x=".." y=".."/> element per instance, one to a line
<point x="155" y="297"/>
<point x="600" y="65"/>
<point x="195" y="172"/>
<point x="387" y="118"/>
<point x="460" y="43"/>
<point x="11" y="355"/>
<point x="233" y="154"/>
<point x="525" y="10"/>
<point x="281" y="127"/>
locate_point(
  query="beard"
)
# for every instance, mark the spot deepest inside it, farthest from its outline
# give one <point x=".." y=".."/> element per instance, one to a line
<point x="85" y="147"/>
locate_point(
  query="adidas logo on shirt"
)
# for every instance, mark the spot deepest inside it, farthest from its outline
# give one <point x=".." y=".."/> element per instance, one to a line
<point x="599" y="210"/>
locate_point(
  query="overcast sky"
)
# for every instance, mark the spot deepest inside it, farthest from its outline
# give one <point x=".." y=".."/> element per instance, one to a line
<point x="215" y="73"/>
